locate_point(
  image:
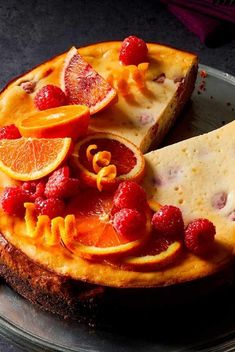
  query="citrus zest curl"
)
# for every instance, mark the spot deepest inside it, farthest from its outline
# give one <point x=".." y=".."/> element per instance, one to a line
<point x="155" y="206"/>
<point x="100" y="160"/>
<point x="108" y="173"/>
<point x="52" y="232"/>
<point x="88" y="151"/>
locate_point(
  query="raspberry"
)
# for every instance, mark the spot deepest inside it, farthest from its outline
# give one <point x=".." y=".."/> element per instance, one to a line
<point x="13" y="199"/>
<point x="52" y="207"/>
<point x="199" y="236"/>
<point x="60" y="185"/>
<point x="133" y="51"/>
<point x="35" y="189"/>
<point x="49" y="97"/>
<point x="129" y="221"/>
<point x="168" y="221"/>
<point x="9" y="132"/>
<point x="130" y="195"/>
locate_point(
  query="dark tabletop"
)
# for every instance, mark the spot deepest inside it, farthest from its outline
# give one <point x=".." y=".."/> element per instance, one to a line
<point x="32" y="31"/>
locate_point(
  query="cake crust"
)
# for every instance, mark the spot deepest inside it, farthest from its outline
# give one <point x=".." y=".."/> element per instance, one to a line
<point x="84" y="302"/>
<point x="50" y="291"/>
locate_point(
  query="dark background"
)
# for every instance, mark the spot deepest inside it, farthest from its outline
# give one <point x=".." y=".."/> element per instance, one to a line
<point x="32" y="31"/>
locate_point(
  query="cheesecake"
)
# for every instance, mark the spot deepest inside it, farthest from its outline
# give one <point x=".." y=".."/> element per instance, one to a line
<point x="42" y="256"/>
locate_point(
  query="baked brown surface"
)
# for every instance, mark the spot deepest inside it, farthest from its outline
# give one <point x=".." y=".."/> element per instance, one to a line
<point x="50" y="291"/>
<point x="77" y="300"/>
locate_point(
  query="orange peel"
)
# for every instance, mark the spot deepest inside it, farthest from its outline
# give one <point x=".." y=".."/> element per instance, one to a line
<point x="101" y="159"/>
<point x="153" y="262"/>
<point x="119" y="149"/>
<point x="83" y="85"/>
<point x="107" y="173"/>
<point x="63" y="121"/>
<point x="50" y="232"/>
<point x="154" y="206"/>
<point x="90" y="148"/>
<point x="27" y="159"/>
<point x="94" y="252"/>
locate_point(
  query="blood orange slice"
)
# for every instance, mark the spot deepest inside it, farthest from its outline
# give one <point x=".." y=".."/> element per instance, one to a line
<point x="29" y="159"/>
<point x="97" y="237"/>
<point x="84" y="86"/>
<point x="124" y="156"/>
<point x="158" y="253"/>
<point x="64" y="121"/>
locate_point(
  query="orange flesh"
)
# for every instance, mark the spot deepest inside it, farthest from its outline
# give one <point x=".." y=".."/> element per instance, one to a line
<point x="92" y="210"/>
<point x="65" y="121"/>
<point x="155" y="246"/>
<point x="52" y="117"/>
<point x="119" y="154"/>
<point x="27" y="155"/>
<point x="83" y="85"/>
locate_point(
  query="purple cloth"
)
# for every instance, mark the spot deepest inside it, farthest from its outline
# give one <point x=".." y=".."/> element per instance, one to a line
<point x="212" y="23"/>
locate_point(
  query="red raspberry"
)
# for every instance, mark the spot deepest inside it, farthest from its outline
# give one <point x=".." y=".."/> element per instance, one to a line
<point x="13" y="199"/>
<point x="60" y="185"/>
<point x="52" y="207"/>
<point x="9" y="132"/>
<point x="168" y="221"/>
<point x="133" y="51"/>
<point x="128" y="222"/>
<point x="49" y="97"/>
<point x="35" y="189"/>
<point x="199" y="236"/>
<point x="130" y="195"/>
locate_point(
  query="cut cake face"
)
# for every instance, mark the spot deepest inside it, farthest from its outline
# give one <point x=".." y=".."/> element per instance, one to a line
<point x="197" y="176"/>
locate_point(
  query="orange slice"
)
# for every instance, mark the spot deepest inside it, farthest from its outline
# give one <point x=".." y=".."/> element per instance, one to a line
<point x="64" y="121"/>
<point x="83" y="85"/>
<point x="125" y="156"/>
<point x="27" y="159"/>
<point x="97" y="237"/>
<point x="158" y="253"/>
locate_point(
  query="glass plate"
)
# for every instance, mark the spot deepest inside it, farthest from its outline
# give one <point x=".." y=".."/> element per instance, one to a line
<point x="206" y="324"/>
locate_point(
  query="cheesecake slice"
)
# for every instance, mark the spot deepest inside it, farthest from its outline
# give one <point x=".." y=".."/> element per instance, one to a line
<point x="197" y="176"/>
<point x="144" y="112"/>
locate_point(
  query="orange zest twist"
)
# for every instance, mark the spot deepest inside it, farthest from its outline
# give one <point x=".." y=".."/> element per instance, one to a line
<point x="101" y="165"/>
<point x="88" y="151"/>
<point x="100" y="160"/>
<point x="143" y="67"/>
<point x="137" y="73"/>
<point x="106" y="173"/>
<point x="110" y="79"/>
<point x="155" y="206"/>
<point x="50" y="231"/>
<point x="123" y="87"/>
